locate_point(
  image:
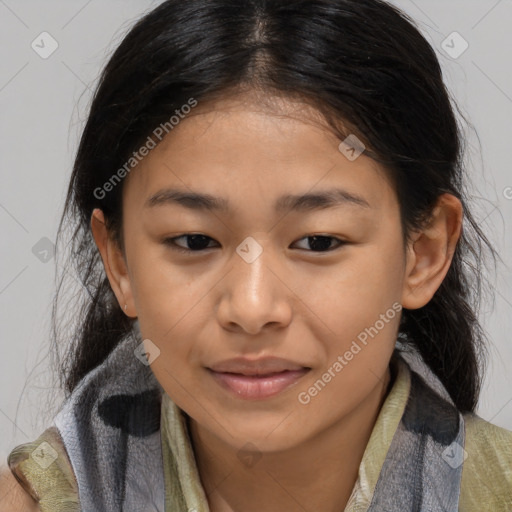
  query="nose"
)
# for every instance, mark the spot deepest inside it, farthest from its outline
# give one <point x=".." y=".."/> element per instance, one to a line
<point x="255" y="295"/>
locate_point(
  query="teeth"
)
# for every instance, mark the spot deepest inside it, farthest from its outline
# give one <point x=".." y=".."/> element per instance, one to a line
<point x="269" y="374"/>
<point x="259" y="374"/>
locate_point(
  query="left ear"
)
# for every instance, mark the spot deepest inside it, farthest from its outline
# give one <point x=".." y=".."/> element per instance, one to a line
<point x="430" y="253"/>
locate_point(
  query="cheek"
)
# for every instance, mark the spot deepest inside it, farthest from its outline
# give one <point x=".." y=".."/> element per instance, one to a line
<point x="163" y="292"/>
<point x="352" y="294"/>
<point x="172" y="309"/>
<point x="357" y="313"/>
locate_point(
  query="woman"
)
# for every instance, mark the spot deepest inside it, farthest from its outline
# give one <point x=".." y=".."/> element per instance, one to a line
<point x="268" y="207"/>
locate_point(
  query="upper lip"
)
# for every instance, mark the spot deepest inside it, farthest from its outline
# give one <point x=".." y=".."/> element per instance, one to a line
<point x="261" y="366"/>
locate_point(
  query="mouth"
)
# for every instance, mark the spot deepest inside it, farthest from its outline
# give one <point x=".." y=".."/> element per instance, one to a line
<point x="255" y="385"/>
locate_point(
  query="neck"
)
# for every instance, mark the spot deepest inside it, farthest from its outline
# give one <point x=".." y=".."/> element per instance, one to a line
<point x="318" y="474"/>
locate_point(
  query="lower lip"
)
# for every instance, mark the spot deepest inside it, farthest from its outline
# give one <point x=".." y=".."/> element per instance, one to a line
<point x="258" y="388"/>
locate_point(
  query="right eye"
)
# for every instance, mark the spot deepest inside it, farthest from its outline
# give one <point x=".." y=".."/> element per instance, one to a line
<point x="196" y="242"/>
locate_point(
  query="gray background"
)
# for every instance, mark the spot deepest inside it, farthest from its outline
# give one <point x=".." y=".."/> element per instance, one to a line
<point x="43" y="103"/>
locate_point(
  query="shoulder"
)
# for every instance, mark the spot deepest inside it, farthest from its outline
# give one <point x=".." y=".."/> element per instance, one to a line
<point x="44" y="472"/>
<point x="13" y="498"/>
<point x="487" y="470"/>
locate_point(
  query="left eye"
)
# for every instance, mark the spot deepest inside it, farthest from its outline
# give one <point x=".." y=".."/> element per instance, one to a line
<point x="322" y="243"/>
<point x="198" y="242"/>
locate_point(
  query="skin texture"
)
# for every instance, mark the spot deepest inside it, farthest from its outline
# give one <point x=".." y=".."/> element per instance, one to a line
<point x="292" y="301"/>
<point x="13" y="498"/>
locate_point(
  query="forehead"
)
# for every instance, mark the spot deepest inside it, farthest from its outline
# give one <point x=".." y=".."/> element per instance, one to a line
<point x="241" y="147"/>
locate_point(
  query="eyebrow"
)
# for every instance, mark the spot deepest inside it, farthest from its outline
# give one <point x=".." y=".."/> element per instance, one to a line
<point x="306" y="202"/>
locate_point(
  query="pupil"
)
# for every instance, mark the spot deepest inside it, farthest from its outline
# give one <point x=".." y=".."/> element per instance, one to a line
<point x="320" y="243"/>
<point x="193" y="239"/>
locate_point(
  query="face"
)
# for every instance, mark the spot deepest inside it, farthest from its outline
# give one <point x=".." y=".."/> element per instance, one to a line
<point x="317" y="283"/>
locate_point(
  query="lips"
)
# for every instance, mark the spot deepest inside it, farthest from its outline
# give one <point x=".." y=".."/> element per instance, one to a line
<point x="256" y="379"/>
<point x="250" y="367"/>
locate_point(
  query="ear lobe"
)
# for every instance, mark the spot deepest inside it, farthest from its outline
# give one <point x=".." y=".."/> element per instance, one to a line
<point x="113" y="262"/>
<point x="430" y="252"/>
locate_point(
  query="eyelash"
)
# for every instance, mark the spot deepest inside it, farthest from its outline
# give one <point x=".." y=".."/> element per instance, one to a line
<point x="170" y="242"/>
